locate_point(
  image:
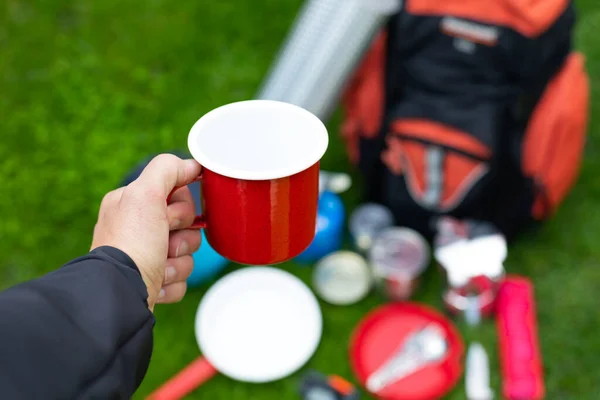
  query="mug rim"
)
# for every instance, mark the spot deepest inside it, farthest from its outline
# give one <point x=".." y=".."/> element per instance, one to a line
<point x="213" y="165"/>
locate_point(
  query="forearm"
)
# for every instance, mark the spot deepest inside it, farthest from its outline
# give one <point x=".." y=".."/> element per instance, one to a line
<point x="82" y="331"/>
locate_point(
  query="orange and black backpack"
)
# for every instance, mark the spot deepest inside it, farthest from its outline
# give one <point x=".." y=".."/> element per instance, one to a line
<point x="470" y="108"/>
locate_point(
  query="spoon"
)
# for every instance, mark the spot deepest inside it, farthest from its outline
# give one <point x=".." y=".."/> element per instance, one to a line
<point x="421" y="348"/>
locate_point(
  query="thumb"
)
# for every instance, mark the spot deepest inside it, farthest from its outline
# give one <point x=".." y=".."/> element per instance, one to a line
<point x="166" y="172"/>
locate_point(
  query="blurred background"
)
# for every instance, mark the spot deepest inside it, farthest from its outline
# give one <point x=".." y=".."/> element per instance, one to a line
<point x="88" y="89"/>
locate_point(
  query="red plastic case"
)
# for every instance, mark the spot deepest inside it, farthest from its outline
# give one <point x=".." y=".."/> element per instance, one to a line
<point x="520" y="356"/>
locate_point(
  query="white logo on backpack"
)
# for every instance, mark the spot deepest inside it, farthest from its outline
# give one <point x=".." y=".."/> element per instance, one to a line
<point x="469" y="31"/>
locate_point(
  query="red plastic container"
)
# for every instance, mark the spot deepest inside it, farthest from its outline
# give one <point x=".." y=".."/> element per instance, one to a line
<point x="520" y="356"/>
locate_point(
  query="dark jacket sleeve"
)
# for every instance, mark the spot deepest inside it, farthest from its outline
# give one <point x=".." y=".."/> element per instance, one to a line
<point x="83" y="331"/>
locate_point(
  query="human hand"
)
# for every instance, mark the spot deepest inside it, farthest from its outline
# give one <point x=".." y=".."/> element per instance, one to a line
<point x="137" y="220"/>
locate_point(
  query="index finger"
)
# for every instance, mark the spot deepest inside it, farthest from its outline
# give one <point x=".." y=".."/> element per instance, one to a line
<point x="166" y="172"/>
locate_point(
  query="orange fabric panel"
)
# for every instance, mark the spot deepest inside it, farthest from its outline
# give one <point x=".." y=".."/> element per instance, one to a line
<point x="528" y="17"/>
<point x="439" y="133"/>
<point x="363" y="99"/>
<point x="555" y="137"/>
<point x="460" y="174"/>
<point x="392" y="155"/>
<point x="416" y="168"/>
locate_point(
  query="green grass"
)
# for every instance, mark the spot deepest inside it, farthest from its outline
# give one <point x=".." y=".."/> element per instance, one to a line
<point x="89" y="88"/>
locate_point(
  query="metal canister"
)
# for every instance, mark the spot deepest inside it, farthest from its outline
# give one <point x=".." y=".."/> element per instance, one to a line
<point x="398" y="258"/>
<point x="366" y="222"/>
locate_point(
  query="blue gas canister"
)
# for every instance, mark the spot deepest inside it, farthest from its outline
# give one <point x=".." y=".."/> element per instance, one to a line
<point x="330" y="228"/>
<point x="207" y="262"/>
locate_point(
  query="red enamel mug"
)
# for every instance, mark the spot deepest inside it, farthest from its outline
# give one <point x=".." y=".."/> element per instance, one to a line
<point x="260" y="179"/>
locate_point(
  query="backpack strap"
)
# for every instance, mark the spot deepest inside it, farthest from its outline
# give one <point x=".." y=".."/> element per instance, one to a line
<point x="363" y="99"/>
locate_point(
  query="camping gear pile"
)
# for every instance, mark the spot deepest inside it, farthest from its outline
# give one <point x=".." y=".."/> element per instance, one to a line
<point x="259" y="324"/>
<point x="467" y="123"/>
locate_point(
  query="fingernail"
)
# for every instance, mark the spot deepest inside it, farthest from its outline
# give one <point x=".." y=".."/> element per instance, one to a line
<point x="191" y="168"/>
<point x="181" y="249"/>
<point x="161" y="294"/>
<point x="170" y="273"/>
<point x="175" y="224"/>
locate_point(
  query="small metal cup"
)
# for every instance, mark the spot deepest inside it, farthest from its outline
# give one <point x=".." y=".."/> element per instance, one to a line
<point x="398" y="258"/>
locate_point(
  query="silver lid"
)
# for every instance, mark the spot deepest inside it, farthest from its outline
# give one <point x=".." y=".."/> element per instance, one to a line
<point x="342" y="278"/>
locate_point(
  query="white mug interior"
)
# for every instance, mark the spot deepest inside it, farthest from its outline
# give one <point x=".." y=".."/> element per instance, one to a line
<point x="258" y="140"/>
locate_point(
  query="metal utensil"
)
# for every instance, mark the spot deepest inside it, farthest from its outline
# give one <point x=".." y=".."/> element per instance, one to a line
<point x="421" y="348"/>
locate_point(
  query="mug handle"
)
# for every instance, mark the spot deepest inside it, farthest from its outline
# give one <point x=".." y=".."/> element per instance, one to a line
<point x="199" y="220"/>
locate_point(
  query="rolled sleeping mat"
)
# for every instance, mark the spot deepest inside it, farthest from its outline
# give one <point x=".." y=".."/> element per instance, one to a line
<point x="327" y="41"/>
